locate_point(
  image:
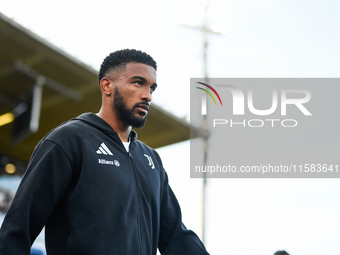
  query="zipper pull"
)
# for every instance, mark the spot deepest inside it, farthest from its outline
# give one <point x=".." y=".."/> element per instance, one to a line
<point x="130" y="155"/>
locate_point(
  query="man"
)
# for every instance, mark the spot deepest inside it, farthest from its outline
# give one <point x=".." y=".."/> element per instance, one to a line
<point x="95" y="188"/>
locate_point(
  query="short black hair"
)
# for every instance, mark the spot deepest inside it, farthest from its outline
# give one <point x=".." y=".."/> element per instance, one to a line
<point x="281" y="253"/>
<point x="118" y="59"/>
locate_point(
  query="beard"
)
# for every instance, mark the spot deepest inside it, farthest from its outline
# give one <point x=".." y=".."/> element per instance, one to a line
<point x="126" y="114"/>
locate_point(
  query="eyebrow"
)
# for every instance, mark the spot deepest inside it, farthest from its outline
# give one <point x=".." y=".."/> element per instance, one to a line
<point x="143" y="79"/>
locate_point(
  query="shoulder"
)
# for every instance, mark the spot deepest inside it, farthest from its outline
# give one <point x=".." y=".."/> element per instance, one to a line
<point x="68" y="130"/>
<point x="67" y="138"/>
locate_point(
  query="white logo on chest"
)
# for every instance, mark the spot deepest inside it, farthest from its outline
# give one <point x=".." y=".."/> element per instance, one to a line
<point x="109" y="162"/>
<point x="151" y="164"/>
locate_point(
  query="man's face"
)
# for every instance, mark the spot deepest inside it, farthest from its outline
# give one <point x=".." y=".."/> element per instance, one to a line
<point x="133" y="93"/>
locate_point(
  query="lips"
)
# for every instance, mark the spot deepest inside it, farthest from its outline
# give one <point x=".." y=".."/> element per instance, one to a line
<point x="143" y="107"/>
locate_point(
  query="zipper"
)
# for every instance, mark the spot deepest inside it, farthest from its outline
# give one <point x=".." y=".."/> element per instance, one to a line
<point x="138" y="192"/>
<point x="139" y="205"/>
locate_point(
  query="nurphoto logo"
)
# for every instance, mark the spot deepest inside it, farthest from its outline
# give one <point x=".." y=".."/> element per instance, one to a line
<point x="280" y="100"/>
<point x="265" y="128"/>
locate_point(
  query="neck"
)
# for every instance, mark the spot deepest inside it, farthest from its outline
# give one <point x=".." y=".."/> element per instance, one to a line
<point x="117" y="125"/>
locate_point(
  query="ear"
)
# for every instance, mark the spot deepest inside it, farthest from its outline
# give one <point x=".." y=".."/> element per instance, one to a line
<point x="105" y="85"/>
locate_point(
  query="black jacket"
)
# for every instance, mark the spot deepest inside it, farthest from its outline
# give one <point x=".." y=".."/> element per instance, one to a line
<point x="95" y="198"/>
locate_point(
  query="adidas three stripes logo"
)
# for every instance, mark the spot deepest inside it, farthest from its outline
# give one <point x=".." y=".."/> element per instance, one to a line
<point x="104" y="150"/>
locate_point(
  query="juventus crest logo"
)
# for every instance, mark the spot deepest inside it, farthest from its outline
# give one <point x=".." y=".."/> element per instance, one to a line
<point x="151" y="164"/>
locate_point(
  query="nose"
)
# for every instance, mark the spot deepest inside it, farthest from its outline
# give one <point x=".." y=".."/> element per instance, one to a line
<point x="147" y="94"/>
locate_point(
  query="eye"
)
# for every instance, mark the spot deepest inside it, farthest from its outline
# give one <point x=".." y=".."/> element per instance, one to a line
<point x="153" y="88"/>
<point x="138" y="83"/>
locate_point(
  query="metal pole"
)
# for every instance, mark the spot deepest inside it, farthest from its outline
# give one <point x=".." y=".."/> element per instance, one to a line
<point x="205" y="122"/>
<point x="205" y="31"/>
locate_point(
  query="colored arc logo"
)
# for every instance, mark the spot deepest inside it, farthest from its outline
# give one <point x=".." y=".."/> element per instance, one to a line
<point x="207" y="91"/>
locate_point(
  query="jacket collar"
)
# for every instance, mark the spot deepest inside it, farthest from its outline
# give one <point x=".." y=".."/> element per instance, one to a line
<point x="97" y="122"/>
